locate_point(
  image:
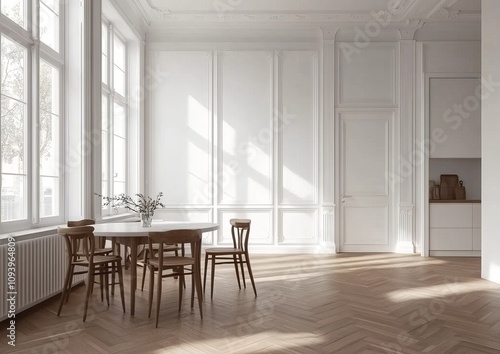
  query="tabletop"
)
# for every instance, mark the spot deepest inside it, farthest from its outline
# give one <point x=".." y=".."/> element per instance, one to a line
<point x="135" y="229"/>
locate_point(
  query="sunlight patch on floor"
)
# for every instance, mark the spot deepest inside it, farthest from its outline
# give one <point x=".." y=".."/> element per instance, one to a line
<point x="442" y="290"/>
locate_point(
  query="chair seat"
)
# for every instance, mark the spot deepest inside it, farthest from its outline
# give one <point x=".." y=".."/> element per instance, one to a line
<point x="103" y="251"/>
<point x="224" y="250"/>
<point x="172" y="261"/>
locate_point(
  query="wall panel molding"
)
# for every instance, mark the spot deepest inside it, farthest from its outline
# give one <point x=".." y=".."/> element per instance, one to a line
<point x="375" y="67"/>
<point x="298" y="226"/>
<point x="296" y="124"/>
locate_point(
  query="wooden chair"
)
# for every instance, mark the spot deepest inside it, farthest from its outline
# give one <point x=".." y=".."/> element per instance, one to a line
<point x="100" y="250"/>
<point x="80" y="249"/>
<point x="240" y="231"/>
<point x="177" y="264"/>
<point x="145" y="257"/>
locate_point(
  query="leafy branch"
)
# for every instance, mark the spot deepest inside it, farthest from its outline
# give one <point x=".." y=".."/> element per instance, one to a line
<point x="143" y="204"/>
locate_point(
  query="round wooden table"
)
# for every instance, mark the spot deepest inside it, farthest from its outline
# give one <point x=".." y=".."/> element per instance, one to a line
<point x="133" y="234"/>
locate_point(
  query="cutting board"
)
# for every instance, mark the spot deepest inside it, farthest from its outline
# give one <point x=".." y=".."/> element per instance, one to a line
<point x="448" y="185"/>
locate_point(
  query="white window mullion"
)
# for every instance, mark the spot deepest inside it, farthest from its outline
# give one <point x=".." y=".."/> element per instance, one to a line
<point x="34" y="165"/>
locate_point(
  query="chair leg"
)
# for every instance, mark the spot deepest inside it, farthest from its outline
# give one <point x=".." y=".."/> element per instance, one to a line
<point x="145" y="265"/>
<point x="105" y="269"/>
<point x="212" y="276"/>
<point x="115" y="268"/>
<point x="197" y="280"/>
<point x="250" y="272"/>
<point x="181" y="286"/>
<point x="158" y="295"/>
<point x="242" y="272"/>
<point x="235" y="260"/>
<point x="70" y="282"/>
<point x="65" y="288"/>
<point x="90" y="278"/>
<point x="205" y="273"/>
<point x="192" y="288"/>
<point x="101" y="278"/>
<point x="120" y="279"/>
<point x="151" y="288"/>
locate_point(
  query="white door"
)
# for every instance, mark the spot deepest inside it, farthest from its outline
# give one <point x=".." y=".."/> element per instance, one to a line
<point x="365" y="182"/>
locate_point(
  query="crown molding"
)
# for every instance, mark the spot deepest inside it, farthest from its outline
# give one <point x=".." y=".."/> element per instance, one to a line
<point x="397" y="11"/>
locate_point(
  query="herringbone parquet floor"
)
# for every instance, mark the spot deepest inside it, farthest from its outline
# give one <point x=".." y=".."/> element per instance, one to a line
<point x="346" y="303"/>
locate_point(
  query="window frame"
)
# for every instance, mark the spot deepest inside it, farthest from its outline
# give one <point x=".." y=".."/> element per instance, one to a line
<point x="113" y="97"/>
<point x="37" y="51"/>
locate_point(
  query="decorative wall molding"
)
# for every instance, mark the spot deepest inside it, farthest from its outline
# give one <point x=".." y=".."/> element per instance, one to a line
<point x="345" y="57"/>
<point x="328" y="122"/>
<point x="282" y="121"/>
<point x="312" y="233"/>
<point x="261" y="229"/>
<point x="405" y="242"/>
<point x="329" y="226"/>
<point x="395" y="12"/>
<point x="411" y="26"/>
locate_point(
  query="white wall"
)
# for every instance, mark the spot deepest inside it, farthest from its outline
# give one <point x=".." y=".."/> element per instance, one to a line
<point x="233" y="132"/>
<point x="490" y="142"/>
<point x="210" y="143"/>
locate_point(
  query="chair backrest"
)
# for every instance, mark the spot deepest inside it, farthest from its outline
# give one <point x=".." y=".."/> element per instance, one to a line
<point x="240" y="231"/>
<point x="192" y="237"/>
<point x="84" y="222"/>
<point x="79" y="241"/>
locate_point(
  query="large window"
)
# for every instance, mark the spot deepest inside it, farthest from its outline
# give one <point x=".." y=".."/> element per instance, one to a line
<point x="114" y="113"/>
<point x="30" y="114"/>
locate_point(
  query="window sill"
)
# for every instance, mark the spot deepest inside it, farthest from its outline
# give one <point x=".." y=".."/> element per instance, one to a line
<point x="23" y="235"/>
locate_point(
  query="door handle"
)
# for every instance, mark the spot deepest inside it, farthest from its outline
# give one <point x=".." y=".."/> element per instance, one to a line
<point x="344" y="197"/>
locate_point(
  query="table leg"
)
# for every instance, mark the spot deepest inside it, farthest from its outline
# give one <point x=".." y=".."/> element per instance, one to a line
<point x="133" y="274"/>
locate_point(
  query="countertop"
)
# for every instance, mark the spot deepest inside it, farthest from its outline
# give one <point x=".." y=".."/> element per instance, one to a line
<point x="455" y="201"/>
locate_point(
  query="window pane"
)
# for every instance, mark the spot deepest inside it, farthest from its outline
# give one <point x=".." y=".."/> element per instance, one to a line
<point x="119" y="53"/>
<point x="49" y="132"/>
<point x="51" y="4"/>
<point x="14" y="206"/>
<point x="49" y="196"/>
<point x="49" y="27"/>
<point x="105" y="164"/>
<point x="13" y="68"/>
<point x="119" y="188"/>
<point x="119" y="160"/>
<point x="15" y="10"/>
<point x="104" y="71"/>
<point x="119" y="124"/>
<point x="49" y="144"/>
<point x="13" y="130"/>
<point x="104" y="148"/>
<point x="13" y="136"/>
<point x="104" y="39"/>
<point x="119" y="81"/>
<point x="49" y="88"/>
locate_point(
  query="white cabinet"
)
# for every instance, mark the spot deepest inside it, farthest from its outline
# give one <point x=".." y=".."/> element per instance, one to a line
<point x="476" y="227"/>
<point x="455" y="117"/>
<point x="455" y="229"/>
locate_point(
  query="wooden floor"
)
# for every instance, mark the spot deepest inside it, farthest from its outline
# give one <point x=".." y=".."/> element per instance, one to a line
<point x="347" y="303"/>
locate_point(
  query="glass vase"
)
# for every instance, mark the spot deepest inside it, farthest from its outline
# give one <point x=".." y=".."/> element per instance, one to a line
<point x="146" y="219"/>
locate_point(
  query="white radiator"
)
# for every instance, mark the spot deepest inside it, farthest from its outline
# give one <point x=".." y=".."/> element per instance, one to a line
<point x="40" y="269"/>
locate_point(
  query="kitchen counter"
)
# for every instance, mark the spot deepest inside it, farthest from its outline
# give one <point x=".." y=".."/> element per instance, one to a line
<point x="455" y="201"/>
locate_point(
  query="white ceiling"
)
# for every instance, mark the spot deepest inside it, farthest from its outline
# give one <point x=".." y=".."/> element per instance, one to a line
<point x="306" y="11"/>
